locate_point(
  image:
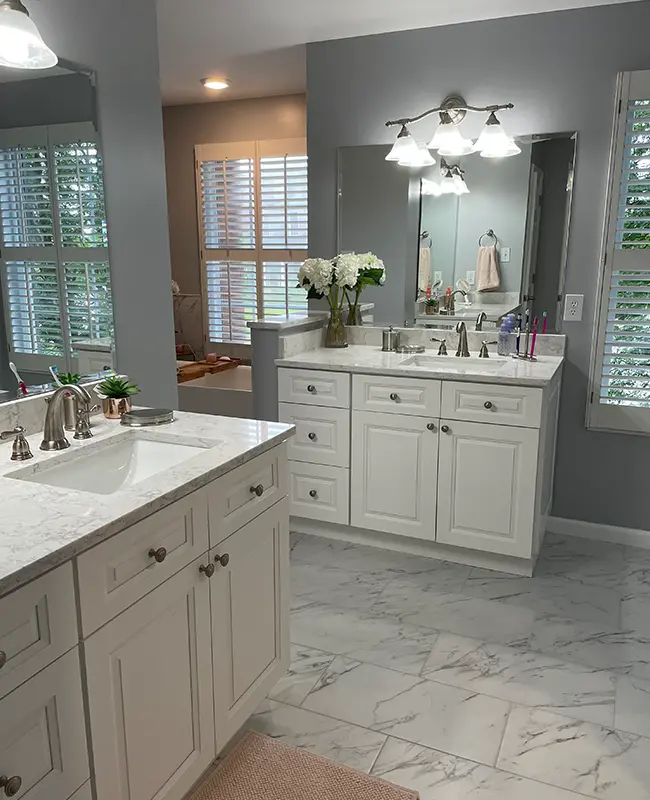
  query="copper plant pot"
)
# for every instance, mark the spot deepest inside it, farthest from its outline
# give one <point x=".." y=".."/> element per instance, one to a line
<point x="114" y="407"/>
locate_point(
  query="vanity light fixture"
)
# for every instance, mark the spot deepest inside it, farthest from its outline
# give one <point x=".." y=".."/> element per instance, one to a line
<point x="448" y="140"/>
<point x="459" y="180"/>
<point x="405" y="149"/>
<point x="21" y="44"/>
<point x="494" y="142"/>
<point x="430" y="188"/>
<point x="216" y="84"/>
<point x="423" y="158"/>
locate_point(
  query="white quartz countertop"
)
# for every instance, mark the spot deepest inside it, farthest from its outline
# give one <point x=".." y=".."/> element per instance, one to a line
<point x="373" y="361"/>
<point x="42" y="526"/>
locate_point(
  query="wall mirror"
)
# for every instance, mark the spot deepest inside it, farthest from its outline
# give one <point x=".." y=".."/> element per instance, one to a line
<point x="494" y="228"/>
<point x="56" y="305"/>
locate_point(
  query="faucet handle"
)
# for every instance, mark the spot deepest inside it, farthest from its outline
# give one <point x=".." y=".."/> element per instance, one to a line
<point x="442" y="350"/>
<point x="82" y="428"/>
<point x="485" y="353"/>
<point x="20" y="450"/>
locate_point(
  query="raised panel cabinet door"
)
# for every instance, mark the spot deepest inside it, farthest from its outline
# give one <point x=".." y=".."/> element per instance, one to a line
<point x="43" y="748"/>
<point x="250" y="617"/>
<point x="486" y="487"/>
<point x="394" y="474"/>
<point x="149" y="677"/>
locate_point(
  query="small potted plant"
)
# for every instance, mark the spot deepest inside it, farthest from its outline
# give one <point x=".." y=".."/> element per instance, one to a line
<point x="116" y="394"/>
<point x="69" y="378"/>
<point x="431" y="305"/>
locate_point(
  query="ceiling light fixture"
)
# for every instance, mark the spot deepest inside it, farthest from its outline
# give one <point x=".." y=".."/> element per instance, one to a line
<point x="21" y="44"/>
<point x="494" y="142"/>
<point x="405" y="148"/>
<point x="216" y="84"/>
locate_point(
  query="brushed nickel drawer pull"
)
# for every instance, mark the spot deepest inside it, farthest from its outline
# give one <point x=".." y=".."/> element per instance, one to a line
<point x="207" y="570"/>
<point x="311" y="436"/>
<point x="394" y="397"/>
<point x="3" y="658"/>
<point x="258" y="490"/>
<point x="313" y="493"/>
<point x="431" y="426"/>
<point x="488" y="405"/>
<point x="445" y="429"/>
<point x="224" y="560"/>
<point x="311" y="388"/>
<point x="159" y="555"/>
<point x="11" y="785"/>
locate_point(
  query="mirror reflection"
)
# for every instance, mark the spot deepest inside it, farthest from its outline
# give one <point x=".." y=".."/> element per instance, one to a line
<point x="56" y="293"/>
<point x="468" y="238"/>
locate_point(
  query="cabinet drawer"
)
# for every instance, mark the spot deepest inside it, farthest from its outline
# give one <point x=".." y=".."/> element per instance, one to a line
<point x="314" y="388"/>
<point x="121" y="570"/>
<point x="320" y="492"/>
<point x="38" y="623"/>
<point x="241" y="495"/>
<point x="483" y="402"/>
<point x="322" y="434"/>
<point x="411" y="396"/>
<point x="43" y="734"/>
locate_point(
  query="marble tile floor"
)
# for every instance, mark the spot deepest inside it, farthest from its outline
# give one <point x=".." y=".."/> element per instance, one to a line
<point x="459" y="682"/>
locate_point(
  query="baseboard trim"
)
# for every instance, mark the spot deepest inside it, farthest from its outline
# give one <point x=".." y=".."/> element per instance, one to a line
<point x="598" y="532"/>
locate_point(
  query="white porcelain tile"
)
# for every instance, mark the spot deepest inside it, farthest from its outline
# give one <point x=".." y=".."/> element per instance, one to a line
<point x="577" y="756"/>
<point x="307" y="665"/>
<point x="365" y="637"/>
<point x="439" y="776"/>
<point x="319" y="584"/>
<point x="635" y="614"/>
<point x="347" y="744"/>
<point x="548" y="595"/>
<point x="523" y="677"/>
<point x="503" y="623"/>
<point x="633" y="706"/>
<point x="421" y="711"/>
<point x="581" y="560"/>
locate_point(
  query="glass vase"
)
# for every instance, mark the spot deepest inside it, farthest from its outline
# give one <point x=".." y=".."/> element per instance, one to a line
<point x="335" y="336"/>
<point x="354" y="314"/>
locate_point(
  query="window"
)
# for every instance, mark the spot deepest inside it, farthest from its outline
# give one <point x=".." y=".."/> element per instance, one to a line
<point x="252" y="203"/>
<point x="620" y="385"/>
<point x="55" y="270"/>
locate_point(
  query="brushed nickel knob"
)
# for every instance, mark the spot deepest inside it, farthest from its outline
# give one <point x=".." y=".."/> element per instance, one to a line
<point x="11" y="785"/>
<point x="207" y="570"/>
<point x="3" y="658"/>
<point x="431" y="426"/>
<point x="258" y="490"/>
<point x="224" y="560"/>
<point x="311" y="388"/>
<point x="394" y="397"/>
<point x="159" y="555"/>
<point x="488" y="404"/>
<point x="313" y="493"/>
<point x="311" y="436"/>
<point x="445" y="429"/>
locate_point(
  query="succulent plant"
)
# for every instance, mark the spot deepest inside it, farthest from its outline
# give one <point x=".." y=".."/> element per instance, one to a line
<point x="116" y="387"/>
<point x="68" y="378"/>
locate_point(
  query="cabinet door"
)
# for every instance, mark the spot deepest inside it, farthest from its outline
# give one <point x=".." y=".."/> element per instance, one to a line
<point x="43" y="734"/>
<point x="394" y="474"/>
<point x="250" y="617"/>
<point x="486" y="487"/>
<point x="149" y="675"/>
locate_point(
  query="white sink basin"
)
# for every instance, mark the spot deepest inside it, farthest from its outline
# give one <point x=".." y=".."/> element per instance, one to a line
<point x="453" y="364"/>
<point x="117" y="466"/>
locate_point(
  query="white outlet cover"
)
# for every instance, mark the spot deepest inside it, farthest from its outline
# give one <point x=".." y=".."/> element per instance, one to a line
<point x="505" y="254"/>
<point x="471" y="277"/>
<point x="437" y="276"/>
<point x="573" y="304"/>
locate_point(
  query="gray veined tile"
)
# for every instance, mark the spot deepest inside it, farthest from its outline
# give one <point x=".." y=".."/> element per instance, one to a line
<point x="347" y="744"/>
<point x="635" y="614"/>
<point x="583" y="560"/>
<point x="548" y="596"/>
<point x="313" y="584"/>
<point x="364" y="637"/>
<point x="443" y="717"/>
<point x="633" y="705"/>
<point x="577" y="756"/>
<point x="439" y="776"/>
<point x="307" y="665"/>
<point x="523" y="677"/>
<point x="294" y="538"/>
<point x="457" y="613"/>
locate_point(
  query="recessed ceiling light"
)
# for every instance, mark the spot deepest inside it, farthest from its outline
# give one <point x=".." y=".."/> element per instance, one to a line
<point x="215" y="83"/>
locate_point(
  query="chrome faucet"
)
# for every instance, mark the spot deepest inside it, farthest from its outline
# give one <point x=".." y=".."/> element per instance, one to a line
<point x="53" y="435"/>
<point x="463" y="349"/>
<point x="479" y="321"/>
<point x="451" y="303"/>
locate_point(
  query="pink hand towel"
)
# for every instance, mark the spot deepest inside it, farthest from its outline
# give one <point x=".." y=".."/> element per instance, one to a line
<point x="487" y="269"/>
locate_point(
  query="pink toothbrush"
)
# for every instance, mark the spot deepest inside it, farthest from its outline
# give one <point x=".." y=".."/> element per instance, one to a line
<point x="532" y="346"/>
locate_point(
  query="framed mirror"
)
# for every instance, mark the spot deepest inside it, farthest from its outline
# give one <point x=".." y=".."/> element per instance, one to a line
<point x="55" y="284"/>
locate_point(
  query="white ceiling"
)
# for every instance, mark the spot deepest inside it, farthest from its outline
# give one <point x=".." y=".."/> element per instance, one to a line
<point x="259" y="44"/>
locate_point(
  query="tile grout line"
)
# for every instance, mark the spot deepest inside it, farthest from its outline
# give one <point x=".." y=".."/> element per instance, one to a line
<point x="379" y="752"/>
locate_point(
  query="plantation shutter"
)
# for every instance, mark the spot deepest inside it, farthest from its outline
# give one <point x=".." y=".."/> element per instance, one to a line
<point x="252" y="207"/>
<point x="620" y="398"/>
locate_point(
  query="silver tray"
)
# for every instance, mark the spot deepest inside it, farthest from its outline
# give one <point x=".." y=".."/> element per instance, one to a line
<point x="144" y="417"/>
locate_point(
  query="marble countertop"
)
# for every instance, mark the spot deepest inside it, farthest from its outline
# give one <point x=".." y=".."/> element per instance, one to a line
<point x="372" y="360"/>
<point x="43" y="526"/>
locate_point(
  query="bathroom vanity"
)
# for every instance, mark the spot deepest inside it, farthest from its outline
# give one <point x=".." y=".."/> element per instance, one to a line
<point x="143" y="617"/>
<point x="450" y="457"/>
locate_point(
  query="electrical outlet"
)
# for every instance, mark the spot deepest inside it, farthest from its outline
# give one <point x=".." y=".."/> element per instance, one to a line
<point x="573" y="307"/>
<point x="437" y="277"/>
<point x="470" y="277"/>
<point x="505" y="255"/>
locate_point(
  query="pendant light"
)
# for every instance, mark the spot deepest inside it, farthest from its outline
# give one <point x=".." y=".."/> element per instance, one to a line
<point x="448" y="140"/>
<point x="494" y="142"/>
<point x="423" y="158"/>
<point x="405" y="147"/>
<point x="21" y="45"/>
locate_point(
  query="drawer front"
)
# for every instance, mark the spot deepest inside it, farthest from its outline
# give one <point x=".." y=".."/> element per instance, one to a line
<point x="38" y="623"/>
<point x="320" y="492"/>
<point x="121" y="570"/>
<point x="314" y="388"/>
<point x="241" y="495"/>
<point x="43" y="734"/>
<point x="322" y="434"/>
<point x="483" y="402"/>
<point x="411" y="396"/>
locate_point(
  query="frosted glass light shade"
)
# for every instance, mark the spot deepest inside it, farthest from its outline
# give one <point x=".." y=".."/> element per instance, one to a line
<point x="448" y="140"/>
<point x="448" y="185"/>
<point x="21" y="44"/>
<point x="461" y="186"/>
<point x="405" y="147"/>
<point x="430" y="188"/>
<point x="494" y="142"/>
<point x="422" y="159"/>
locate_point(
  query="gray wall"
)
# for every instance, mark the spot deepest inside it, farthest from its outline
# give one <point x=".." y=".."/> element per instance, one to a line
<point x="559" y="70"/>
<point x="118" y="39"/>
<point x="46" y="101"/>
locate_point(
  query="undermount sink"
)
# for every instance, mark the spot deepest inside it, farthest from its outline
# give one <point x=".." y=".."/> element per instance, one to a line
<point x="114" y="467"/>
<point x="452" y="363"/>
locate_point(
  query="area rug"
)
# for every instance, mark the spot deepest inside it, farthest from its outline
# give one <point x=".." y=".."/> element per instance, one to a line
<point x="261" y="768"/>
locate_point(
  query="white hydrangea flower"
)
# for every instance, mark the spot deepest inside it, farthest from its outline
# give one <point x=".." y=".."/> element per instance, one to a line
<point x="347" y="269"/>
<point x="318" y="272"/>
